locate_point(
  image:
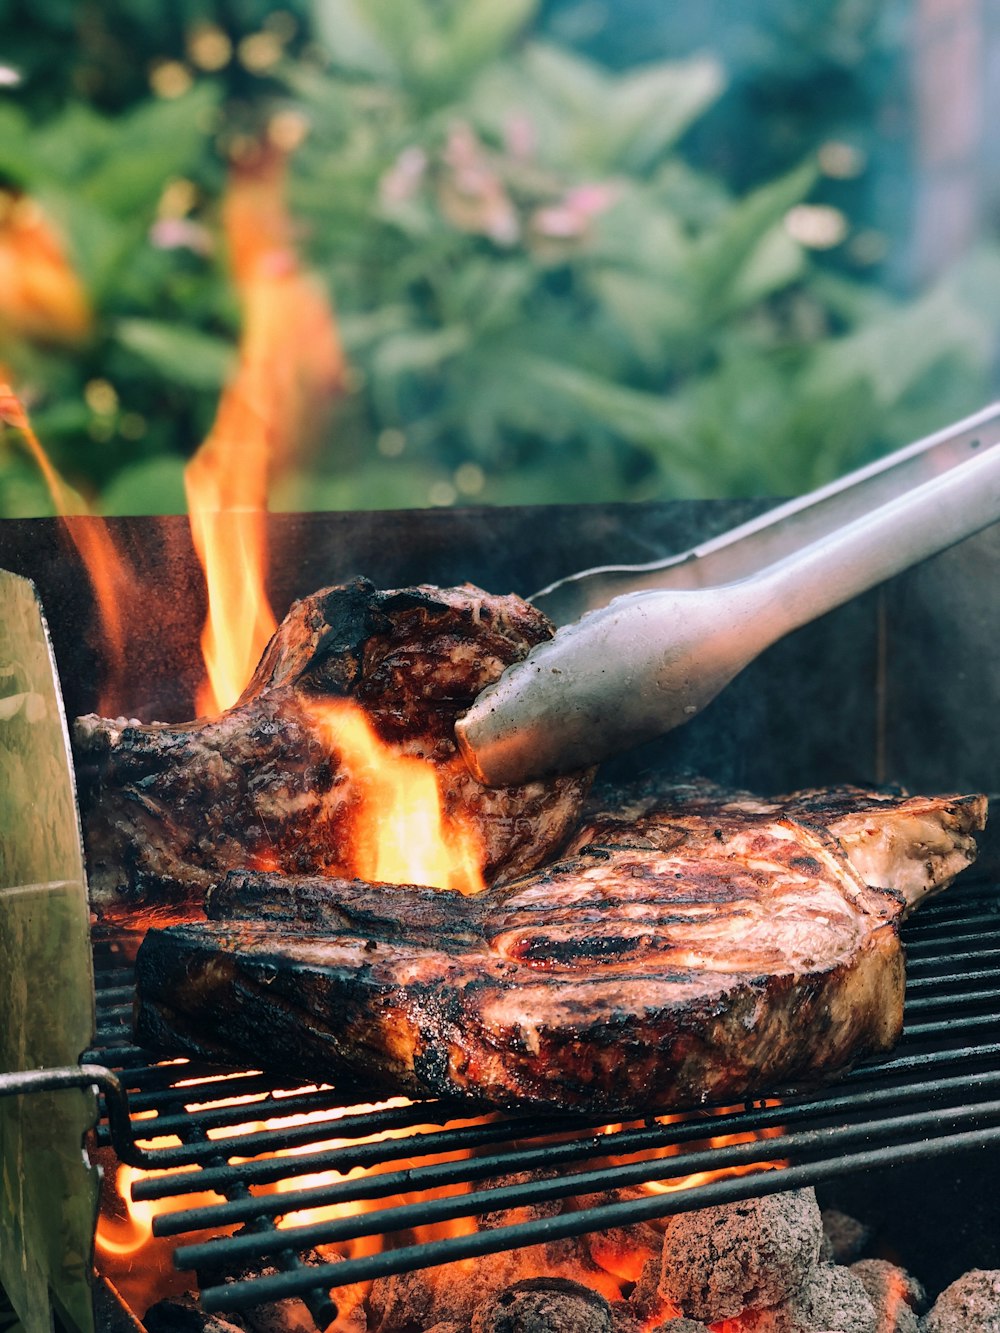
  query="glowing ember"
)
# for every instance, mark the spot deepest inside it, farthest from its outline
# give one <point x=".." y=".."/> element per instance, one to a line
<point x="139" y="1263"/>
<point x="400" y="833"/>
<point x="290" y="365"/>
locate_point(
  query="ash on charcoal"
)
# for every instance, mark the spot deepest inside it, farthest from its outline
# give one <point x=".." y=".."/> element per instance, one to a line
<point x="645" y="1299"/>
<point x="623" y="1319"/>
<point x="285" y="1316"/>
<point x="647" y="1305"/>
<point x="453" y="1293"/>
<point x="720" y="1261"/>
<point x="544" y="1305"/>
<point x="401" y="1301"/>
<point x="183" y="1314"/>
<point x="831" y="1298"/>
<point x="505" y="1217"/>
<point x="970" y="1305"/>
<point x="844" y="1237"/>
<point x="680" y="1326"/>
<point x="896" y="1296"/>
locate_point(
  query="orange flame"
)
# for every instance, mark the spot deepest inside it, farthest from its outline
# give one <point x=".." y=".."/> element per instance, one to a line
<point x="109" y="575"/>
<point x="125" y="1249"/>
<point x="128" y="1235"/>
<point x="129" y="1254"/>
<point x="401" y="834"/>
<point x="40" y="294"/>
<point x="227" y="477"/>
<point x="290" y="365"/>
<point x="678" y="1181"/>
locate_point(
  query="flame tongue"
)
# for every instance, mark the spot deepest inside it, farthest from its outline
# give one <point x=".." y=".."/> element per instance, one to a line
<point x="290" y="364"/>
<point x="228" y="475"/>
<point x="109" y="575"/>
<point x="401" y="834"/>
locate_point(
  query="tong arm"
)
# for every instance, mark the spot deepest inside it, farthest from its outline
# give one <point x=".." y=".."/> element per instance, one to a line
<point x="654" y="657"/>
<point x="781" y="531"/>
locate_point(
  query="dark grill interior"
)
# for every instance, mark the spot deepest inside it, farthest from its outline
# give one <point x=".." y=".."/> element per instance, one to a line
<point x="938" y="1093"/>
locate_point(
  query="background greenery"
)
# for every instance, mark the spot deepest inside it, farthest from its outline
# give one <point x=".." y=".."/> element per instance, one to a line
<point x="568" y="263"/>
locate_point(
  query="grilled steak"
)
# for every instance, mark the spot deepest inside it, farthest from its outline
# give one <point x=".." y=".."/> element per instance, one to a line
<point x="731" y="953"/>
<point x="168" y="809"/>
<point x="915" y="845"/>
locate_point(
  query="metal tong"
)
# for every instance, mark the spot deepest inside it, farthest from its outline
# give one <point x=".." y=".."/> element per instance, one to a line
<point x="655" y="643"/>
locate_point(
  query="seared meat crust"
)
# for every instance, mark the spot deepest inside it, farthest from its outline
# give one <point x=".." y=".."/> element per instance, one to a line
<point x="915" y="845"/>
<point x="734" y="956"/>
<point x="169" y="809"/>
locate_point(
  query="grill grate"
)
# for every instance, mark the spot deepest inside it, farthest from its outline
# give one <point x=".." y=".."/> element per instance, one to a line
<point x="938" y="1092"/>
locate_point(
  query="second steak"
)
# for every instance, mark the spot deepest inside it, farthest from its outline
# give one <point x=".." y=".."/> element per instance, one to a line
<point x="169" y="809"/>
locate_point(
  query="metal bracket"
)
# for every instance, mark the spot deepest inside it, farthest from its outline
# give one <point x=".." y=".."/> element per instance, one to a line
<point x="86" y="1076"/>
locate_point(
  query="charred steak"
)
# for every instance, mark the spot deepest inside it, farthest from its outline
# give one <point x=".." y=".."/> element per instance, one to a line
<point x="915" y="845"/>
<point x="168" y="809"/>
<point x="735" y="953"/>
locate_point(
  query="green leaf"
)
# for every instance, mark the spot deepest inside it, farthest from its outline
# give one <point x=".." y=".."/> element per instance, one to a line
<point x="413" y="31"/>
<point x="650" y="313"/>
<point x="154" y="486"/>
<point x="17" y="157"/>
<point x="722" y="256"/>
<point x="479" y="31"/>
<point x="640" y="233"/>
<point x="412" y="352"/>
<point x="577" y="85"/>
<point x="647" y="420"/>
<point x="99" y="245"/>
<point x="896" y="351"/>
<point x="70" y="146"/>
<point x="23" y="493"/>
<point x="490" y="294"/>
<point x="346" y="29"/>
<point x="775" y="263"/>
<point x="608" y="123"/>
<point x="396" y="484"/>
<point x="157" y="141"/>
<point x="652" y="107"/>
<point x="178" y="354"/>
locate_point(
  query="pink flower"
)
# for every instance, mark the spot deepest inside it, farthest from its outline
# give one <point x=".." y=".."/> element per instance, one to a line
<point x="181" y="234"/>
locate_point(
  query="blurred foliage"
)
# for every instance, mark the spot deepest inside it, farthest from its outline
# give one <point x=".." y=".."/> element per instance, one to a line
<point x="544" y="293"/>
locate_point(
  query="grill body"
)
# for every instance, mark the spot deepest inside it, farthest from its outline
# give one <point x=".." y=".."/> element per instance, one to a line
<point x="901" y="685"/>
<point x="937" y="1094"/>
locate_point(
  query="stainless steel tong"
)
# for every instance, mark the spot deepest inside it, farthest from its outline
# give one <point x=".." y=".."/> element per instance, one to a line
<point x="643" y="648"/>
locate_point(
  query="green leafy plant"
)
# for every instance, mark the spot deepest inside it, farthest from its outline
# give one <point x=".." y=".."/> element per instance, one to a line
<point x="541" y="295"/>
<point x="534" y="281"/>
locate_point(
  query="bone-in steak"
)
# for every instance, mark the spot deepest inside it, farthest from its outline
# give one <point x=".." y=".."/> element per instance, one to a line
<point x="168" y="809"/>
<point x="733" y="954"/>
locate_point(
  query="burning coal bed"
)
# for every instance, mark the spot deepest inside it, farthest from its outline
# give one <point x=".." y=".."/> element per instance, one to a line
<point x="771" y="1265"/>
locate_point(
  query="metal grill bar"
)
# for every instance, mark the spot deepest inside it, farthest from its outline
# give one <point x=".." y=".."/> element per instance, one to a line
<point x="624" y="1142"/>
<point x="831" y="1103"/>
<point x="243" y="1295"/>
<point x="938" y="1092"/>
<point x="831" y="1143"/>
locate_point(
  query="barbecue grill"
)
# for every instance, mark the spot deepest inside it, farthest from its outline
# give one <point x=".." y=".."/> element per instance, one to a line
<point x="938" y="1092"/>
<point x="899" y="684"/>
